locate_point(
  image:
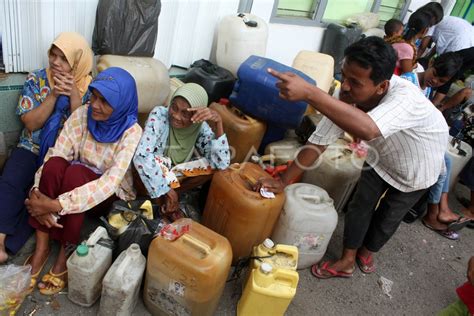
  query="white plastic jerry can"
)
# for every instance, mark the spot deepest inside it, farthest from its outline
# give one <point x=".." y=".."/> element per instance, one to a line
<point x="307" y="221"/>
<point x="121" y="284"/>
<point x="87" y="267"/>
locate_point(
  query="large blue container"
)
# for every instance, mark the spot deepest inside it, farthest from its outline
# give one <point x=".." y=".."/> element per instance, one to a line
<point x="272" y="134"/>
<point x="255" y="93"/>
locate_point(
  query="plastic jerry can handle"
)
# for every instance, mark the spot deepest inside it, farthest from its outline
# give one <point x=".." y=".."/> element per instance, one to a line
<point x="96" y="235"/>
<point x="196" y="244"/>
<point x="287" y="277"/>
<point x="315" y="198"/>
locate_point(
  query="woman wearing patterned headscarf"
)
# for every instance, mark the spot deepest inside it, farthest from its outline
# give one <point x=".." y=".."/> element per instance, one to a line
<point x="86" y="170"/>
<point x="175" y="136"/>
<point x="49" y="96"/>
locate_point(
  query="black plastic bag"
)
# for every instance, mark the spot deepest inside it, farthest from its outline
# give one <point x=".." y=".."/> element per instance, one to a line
<point x="139" y="229"/>
<point x="124" y="27"/>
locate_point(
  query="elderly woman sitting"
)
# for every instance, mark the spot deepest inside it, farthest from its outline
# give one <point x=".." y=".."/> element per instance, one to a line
<point x="173" y="137"/>
<point x="88" y="166"/>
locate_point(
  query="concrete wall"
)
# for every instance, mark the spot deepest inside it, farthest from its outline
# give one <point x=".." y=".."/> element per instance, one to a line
<point x="284" y="40"/>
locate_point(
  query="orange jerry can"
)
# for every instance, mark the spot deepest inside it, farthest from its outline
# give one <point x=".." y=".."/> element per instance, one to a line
<point x="234" y="210"/>
<point x="243" y="132"/>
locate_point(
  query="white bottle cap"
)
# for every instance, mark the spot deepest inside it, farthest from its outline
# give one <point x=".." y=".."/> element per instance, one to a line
<point x="268" y="243"/>
<point x="266" y="268"/>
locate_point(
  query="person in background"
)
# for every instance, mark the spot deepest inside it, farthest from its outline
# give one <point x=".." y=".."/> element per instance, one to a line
<point x="393" y="29"/>
<point x="464" y="306"/>
<point x="405" y="45"/>
<point x="436" y="11"/>
<point x="177" y="136"/>
<point x="86" y="170"/>
<point x="407" y="136"/>
<point x="446" y="103"/>
<point x="439" y="217"/>
<point x="49" y="96"/>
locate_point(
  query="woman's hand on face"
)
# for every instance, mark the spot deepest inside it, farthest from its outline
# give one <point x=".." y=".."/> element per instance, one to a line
<point x="210" y="116"/>
<point x="64" y="84"/>
<point x="39" y="204"/>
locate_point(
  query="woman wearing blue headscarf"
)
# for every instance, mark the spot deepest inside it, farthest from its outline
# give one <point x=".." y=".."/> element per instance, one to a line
<point x="87" y="169"/>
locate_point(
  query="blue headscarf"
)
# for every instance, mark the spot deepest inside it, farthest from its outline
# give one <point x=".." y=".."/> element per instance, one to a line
<point x="118" y="88"/>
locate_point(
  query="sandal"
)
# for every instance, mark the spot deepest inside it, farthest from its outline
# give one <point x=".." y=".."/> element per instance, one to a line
<point x="457" y="224"/>
<point x="34" y="277"/>
<point x="317" y="271"/>
<point x="53" y="283"/>
<point x="446" y="233"/>
<point x="366" y="265"/>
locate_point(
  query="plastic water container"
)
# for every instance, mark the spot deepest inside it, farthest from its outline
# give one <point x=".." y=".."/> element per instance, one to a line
<point x="336" y="39"/>
<point x="243" y="132"/>
<point x="175" y="83"/>
<point x="217" y="81"/>
<point x="273" y="134"/>
<point x="279" y="256"/>
<point x="187" y="276"/>
<point x="337" y="171"/>
<point x="256" y="94"/>
<point x="460" y="153"/>
<point x="238" y="37"/>
<point x="268" y="291"/>
<point x="283" y="150"/>
<point x="320" y="67"/>
<point x="234" y="210"/>
<point x="307" y="221"/>
<point x="151" y="77"/>
<point x="122" y="283"/>
<point x="307" y="127"/>
<point x="87" y="267"/>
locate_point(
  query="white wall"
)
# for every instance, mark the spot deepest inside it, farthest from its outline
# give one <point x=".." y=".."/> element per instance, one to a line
<point x="284" y="40"/>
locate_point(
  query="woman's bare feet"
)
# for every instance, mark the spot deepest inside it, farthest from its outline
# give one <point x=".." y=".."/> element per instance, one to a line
<point x="38" y="259"/>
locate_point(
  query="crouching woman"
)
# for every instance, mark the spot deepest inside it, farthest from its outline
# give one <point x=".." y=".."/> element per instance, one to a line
<point x="85" y="171"/>
<point x="181" y="146"/>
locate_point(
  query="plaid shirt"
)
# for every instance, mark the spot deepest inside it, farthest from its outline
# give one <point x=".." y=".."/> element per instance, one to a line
<point x="75" y="143"/>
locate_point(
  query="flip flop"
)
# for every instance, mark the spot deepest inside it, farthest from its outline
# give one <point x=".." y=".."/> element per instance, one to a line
<point x="366" y="265"/>
<point x="317" y="269"/>
<point x="34" y="277"/>
<point x="457" y="224"/>
<point x="446" y="233"/>
<point x="53" y="283"/>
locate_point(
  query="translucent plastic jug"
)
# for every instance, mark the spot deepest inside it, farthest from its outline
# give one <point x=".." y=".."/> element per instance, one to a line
<point x="319" y="67"/>
<point x="187" y="276"/>
<point x="87" y="267"/>
<point x="238" y="37"/>
<point x="460" y="153"/>
<point x="283" y="150"/>
<point x="268" y="291"/>
<point x="234" y="210"/>
<point x="243" y="132"/>
<point x="151" y="77"/>
<point x="121" y="284"/>
<point x="337" y="171"/>
<point x="307" y="221"/>
<point x="175" y="83"/>
<point x="279" y="256"/>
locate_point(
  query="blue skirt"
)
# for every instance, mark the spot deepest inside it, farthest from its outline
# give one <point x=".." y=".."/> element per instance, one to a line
<point x="15" y="182"/>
